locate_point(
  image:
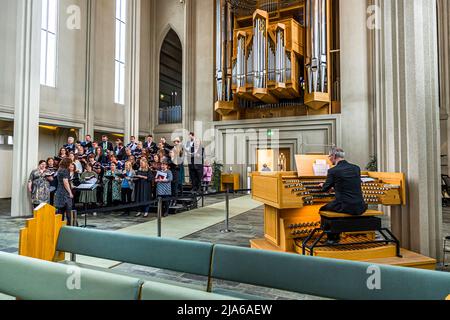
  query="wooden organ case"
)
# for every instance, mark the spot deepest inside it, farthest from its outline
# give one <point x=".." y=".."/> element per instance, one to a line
<point x="277" y="55"/>
<point x="292" y="204"/>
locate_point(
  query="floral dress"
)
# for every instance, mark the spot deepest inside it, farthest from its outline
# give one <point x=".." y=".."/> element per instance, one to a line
<point x="116" y="187"/>
<point x="40" y="187"/>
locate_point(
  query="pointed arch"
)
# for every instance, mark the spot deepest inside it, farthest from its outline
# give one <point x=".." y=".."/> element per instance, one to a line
<point x="171" y="79"/>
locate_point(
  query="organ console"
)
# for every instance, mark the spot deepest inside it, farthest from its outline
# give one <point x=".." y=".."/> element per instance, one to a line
<point x="267" y="50"/>
<point x="292" y="203"/>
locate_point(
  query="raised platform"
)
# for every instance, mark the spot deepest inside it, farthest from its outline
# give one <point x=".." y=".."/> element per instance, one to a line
<point x="410" y="259"/>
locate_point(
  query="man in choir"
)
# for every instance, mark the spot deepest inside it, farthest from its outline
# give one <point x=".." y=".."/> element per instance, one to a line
<point x="106" y="145"/>
<point x="150" y="145"/>
<point x="70" y="146"/>
<point x="119" y="150"/>
<point x="194" y="152"/>
<point x="167" y="147"/>
<point x="87" y="144"/>
<point x="345" y="179"/>
<point x="133" y="144"/>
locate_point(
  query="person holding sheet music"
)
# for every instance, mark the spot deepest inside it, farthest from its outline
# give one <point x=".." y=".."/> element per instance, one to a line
<point x="39" y="184"/>
<point x="112" y="186"/>
<point x="143" y="186"/>
<point x="164" y="180"/>
<point x="89" y="177"/>
<point x="128" y="186"/>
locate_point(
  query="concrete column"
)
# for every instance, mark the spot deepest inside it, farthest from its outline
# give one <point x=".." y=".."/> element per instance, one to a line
<point x="27" y="96"/>
<point x="189" y="74"/>
<point x="356" y="112"/>
<point x="444" y="77"/>
<point x="407" y="114"/>
<point x="90" y="57"/>
<point x="133" y="69"/>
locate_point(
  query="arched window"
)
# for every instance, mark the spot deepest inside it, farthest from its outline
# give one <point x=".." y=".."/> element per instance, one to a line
<point x="171" y="80"/>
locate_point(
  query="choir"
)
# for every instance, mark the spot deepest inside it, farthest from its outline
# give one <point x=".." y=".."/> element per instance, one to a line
<point x="91" y="173"/>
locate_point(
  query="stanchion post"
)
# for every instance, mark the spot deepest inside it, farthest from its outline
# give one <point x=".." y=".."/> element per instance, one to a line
<point x="160" y="205"/>
<point x="73" y="223"/>
<point x="227" y="212"/>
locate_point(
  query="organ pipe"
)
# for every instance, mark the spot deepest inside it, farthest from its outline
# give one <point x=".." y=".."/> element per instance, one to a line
<point x="224" y="48"/>
<point x="316" y="59"/>
<point x="260" y="52"/>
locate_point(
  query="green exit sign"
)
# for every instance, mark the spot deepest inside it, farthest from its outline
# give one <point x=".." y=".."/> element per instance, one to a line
<point x="270" y="133"/>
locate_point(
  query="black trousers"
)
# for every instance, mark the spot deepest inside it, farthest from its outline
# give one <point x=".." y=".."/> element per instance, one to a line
<point x="196" y="174"/>
<point x="339" y="207"/>
<point x="176" y="182"/>
<point x="126" y="197"/>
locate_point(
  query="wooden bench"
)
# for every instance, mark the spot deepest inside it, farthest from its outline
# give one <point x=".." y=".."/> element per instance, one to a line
<point x="334" y="215"/>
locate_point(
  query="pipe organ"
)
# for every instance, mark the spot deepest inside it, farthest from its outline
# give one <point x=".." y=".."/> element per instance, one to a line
<point x="273" y="54"/>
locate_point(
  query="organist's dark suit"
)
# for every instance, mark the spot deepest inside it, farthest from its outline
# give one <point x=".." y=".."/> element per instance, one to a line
<point x="345" y="178"/>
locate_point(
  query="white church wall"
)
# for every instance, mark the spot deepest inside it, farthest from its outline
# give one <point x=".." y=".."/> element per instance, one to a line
<point x="66" y="102"/>
<point x="108" y="114"/>
<point x="7" y="54"/>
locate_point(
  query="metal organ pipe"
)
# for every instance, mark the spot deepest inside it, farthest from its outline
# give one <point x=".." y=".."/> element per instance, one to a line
<point x="280" y="57"/>
<point x="224" y="45"/>
<point x="316" y="60"/>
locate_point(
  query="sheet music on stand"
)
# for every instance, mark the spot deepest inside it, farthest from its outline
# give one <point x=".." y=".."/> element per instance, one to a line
<point x="321" y="168"/>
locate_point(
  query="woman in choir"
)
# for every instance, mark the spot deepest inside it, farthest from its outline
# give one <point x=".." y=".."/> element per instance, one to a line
<point x="207" y="176"/>
<point x="74" y="180"/>
<point x="100" y="157"/>
<point x="39" y="184"/>
<point x="112" y="190"/>
<point x="51" y="167"/>
<point x="128" y="185"/>
<point x="64" y="195"/>
<point x="62" y="154"/>
<point x="76" y="162"/>
<point x="156" y="164"/>
<point x="164" y="186"/>
<point x="143" y="187"/>
<point x="80" y="154"/>
<point x="89" y="197"/>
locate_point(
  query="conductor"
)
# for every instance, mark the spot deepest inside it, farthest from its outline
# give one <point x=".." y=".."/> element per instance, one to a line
<point x="345" y="178"/>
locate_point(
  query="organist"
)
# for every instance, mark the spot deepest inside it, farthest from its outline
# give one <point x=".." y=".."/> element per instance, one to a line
<point x="345" y="179"/>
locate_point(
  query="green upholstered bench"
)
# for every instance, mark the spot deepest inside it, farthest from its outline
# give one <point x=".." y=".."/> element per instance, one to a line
<point x="31" y="279"/>
<point x="174" y="255"/>
<point x="327" y="278"/>
<point x="161" y="291"/>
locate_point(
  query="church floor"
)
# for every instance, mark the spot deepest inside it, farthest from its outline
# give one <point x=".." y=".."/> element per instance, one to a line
<point x="246" y="224"/>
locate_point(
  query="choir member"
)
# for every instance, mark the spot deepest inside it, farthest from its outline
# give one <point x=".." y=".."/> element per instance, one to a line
<point x="70" y="146"/>
<point x="64" y="195"/>
<point x="133" y="144"/>
<point x="143" y="187"/>
<point x="194" y="152"/>
<point x="76" y="162"/>
<point x="128" y="185"/>
<point x="164" y="180"/>
<point x="120" y="150"/>
<point x="106" y="145"/>
<point x="112" y="193"/>
<point x="89" y="197"/>
<point x="150" y="145"/>
<point x="207" y="176"/>
<point x="39" y="184"/>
